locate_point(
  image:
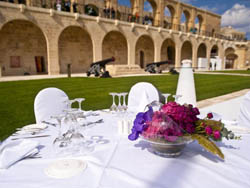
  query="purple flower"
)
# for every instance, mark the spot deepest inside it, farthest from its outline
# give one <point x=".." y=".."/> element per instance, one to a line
<point x="140" y="123"/>
<point x="209" y="130"/>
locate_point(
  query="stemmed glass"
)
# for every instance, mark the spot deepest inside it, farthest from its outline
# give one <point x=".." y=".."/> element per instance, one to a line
<point x="80" y="100"/>
<point x="176" y="97"/>
<point x="166" y="95"/>
<point x="69" y="103"/>
<point x="124" y="106"/>
<point x="119" y="107"/>
<point x="113" y="107"/>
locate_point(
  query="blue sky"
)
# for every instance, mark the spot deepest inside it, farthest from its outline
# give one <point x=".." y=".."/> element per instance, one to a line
<point x="235" y="13"/>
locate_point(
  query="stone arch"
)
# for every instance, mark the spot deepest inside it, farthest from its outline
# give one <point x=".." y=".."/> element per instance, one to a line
<point x="231" y="58"/>
<point x="115" y="44"/>
<point x="91" y="10"/>
<point x="145" y="44"/>
<point x="202" y="51"/>
<point x="198" y="23"/>
<point x="23" y="48"/>
<point x="186" y="50"/>
<point x="154" y="8"/>
<point x="168" y="51"/>
<point x="214" y="51"/>
<point x="169" y="15"/>
<point x="184" y="24"/>
<point x="75" y="48"/>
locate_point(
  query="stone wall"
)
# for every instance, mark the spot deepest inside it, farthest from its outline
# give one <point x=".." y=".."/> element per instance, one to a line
<point x="75" y="48"/>
<point x="24" y="41"/>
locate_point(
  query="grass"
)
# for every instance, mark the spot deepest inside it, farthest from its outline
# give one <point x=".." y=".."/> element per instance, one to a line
<point x="234" y="71"/>
<point x="17" y="97"/>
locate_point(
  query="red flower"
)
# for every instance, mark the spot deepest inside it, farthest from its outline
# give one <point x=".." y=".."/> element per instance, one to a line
<point x="216" y="134"/>
<point x="209" y="130"/>
<point x="210" y="116"/>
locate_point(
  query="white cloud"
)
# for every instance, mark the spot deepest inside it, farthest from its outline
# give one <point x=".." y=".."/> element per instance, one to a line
<point x="237" y="17"/>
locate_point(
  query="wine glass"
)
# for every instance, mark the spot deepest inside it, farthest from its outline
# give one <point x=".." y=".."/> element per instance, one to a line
<point x="166" y="95"/>
<point x="124" y="106"/>
<point x="119" y="107"/>
<point x="69" y="103"/>
<point x="80" y="100"/>
<point x="176" y="97"/>
<point x="113" y="107"/>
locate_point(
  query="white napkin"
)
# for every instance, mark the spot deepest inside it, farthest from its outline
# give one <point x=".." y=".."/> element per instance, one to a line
<point x="14" y="151"/>
<point x="238" y="129"/>
<point x="144" y="101"/>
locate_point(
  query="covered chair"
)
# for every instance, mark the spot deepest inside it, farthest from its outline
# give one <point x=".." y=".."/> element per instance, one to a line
<point x="244" y="115"/>
<point x="49" y="102"/>
<point x="142" y="94"/>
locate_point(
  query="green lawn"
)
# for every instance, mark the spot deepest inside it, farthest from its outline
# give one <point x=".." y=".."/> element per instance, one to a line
<point x="17" y="97"/>
<point x="234" y="71"/>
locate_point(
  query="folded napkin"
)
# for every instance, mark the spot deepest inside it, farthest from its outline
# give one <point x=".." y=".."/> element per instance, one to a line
<point x="14" y="151"/>
<point x="238" y="129"/>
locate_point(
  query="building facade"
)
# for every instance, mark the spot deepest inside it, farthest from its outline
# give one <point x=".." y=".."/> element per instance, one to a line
<point x="43" y="37"/>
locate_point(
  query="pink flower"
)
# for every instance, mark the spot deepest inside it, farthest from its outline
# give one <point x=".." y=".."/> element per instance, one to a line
<point x="209" y="130"/>
<point x="216" y="134"/>
<point x="210" y="116"/>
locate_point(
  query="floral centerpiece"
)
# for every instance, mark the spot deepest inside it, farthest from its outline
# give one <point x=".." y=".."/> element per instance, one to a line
<point x="173" y="125"/>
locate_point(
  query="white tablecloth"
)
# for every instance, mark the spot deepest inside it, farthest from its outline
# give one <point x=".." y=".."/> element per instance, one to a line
<point x="121" y="163"/>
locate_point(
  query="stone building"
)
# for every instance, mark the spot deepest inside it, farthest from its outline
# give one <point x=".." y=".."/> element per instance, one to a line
<point x="44" y="36"/>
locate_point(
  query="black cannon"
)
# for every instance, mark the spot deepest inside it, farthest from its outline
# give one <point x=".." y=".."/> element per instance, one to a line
<point x="99" y="68"/>
<point x="155" y="67"/>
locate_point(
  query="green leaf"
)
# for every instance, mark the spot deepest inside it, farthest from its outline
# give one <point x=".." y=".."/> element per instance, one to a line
<point x="208" y="145"/>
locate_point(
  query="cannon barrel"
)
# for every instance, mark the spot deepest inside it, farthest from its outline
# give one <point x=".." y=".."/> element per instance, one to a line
<point x="159" y="63"/>
<point x="104" y="62"/>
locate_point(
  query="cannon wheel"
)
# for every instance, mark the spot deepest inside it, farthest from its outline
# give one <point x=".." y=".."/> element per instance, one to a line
<point x="97" y="74"/>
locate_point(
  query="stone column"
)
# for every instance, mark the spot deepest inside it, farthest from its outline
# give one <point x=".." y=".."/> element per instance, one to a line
<point x="131" y="52"/>
<point x="208" y="57"/>
<point x="222" y="57"/>
<point x="194" y="57"/>
<point x="177" y="18"/>
<point x="0" y="70"/>
<point x="97" y="50"/>
<point x="191" y="23"/>
<point x="157" y="51"/>
<point x="177" y="56"/>
<point x="53" y="55"/>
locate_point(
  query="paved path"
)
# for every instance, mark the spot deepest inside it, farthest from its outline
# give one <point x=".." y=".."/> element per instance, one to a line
<point x="221" y="73"/>
<point x="216" y="100"/>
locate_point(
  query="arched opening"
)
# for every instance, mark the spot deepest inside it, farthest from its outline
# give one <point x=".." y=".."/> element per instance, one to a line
<point x="141" y="59"/>
<point x="23" y="49"/>
<point x="202" y="56"/>
<point x="231" y="59"/>
<point x="149" y="8"/>
<point x="75" y="48"/>
<point x="186" y="50"/>
<point x="202" y="51"/>
<point x="185" y="17"/>
<point x="169" y="14"/>
<point x="198" y="25"/>
<point x="213" y="33"/>
<point x="168" y="52"/>
<point x="91" y="10"/>
<point x="115" y="45"/>
<point x="145" y="44"/>
<point x="214" y="52"/>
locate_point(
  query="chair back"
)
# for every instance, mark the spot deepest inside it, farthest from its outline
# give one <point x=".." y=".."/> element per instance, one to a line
<point x="141" y="94"/>
<point x="49" y="102"/>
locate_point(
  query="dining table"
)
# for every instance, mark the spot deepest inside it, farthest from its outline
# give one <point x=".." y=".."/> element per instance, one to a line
<point x="117" y="162"/>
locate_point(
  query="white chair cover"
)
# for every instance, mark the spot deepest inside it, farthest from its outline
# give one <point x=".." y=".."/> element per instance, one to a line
<point x="49" y="102"/>
<point x="244" y="115"/>
<point x="141" y="94"/>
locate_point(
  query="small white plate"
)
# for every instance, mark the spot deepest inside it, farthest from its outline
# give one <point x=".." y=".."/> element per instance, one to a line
<point x="39" y="126"/>
<point x="65" y="168"/>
